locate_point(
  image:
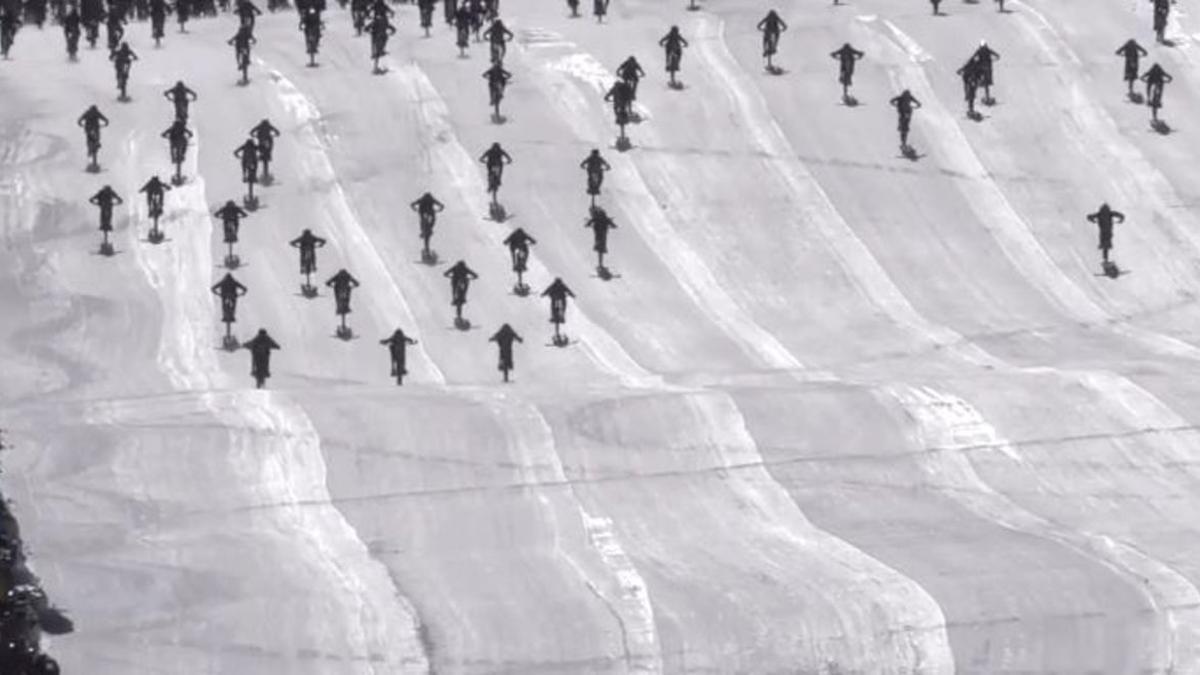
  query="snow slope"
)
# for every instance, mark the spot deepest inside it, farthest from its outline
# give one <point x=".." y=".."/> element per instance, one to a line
<point x="838" y="412"/>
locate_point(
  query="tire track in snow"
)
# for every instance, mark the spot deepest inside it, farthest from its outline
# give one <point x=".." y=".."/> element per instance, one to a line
<point x="1010" y="231"/>
<point x="466" y="176"/>
<point x="343" y="224"/>
<point x="275" y="450"/>
<point x="948" y="422"/>
<point x="624" y="592"/>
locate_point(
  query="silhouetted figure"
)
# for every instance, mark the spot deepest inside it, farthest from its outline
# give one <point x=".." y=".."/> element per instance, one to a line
<point x="177" y="136"/>
<point x="260" y="348"/>
<point x="630" y="71"/>
<point x="1104" y="217"/>
<point x="231" y="220"/>
<point x="905" y="103"/>
<point x="970" y="77"/>
<point x="498" y="36"/>
<point x="92" y="120"/>
<point x="229" y="290"/>
<point x="425" y="8"/>
<point x="558" y="292"/>
<point x="494" y="159"/>
<point x="264" y="134"/>
<point x="673" y="43"/>
<point x="246" y="12"/>
<point x="1132" y="51"/>
<point x="1162" y="10"/>
<point x="180" y="96"/>
<point x="123" y="59"/>
<point x="308" y="243"/>
<point x="397" y="345"/>
<point x="497" y="78"/>
<point x="380" y="29"/>
<point x="599" y="9"/>
<point x="460" y="278"/>
<point x="71" y="33"/>
<point x="106" y="199"/>
<point x="504" y="339"/>
<point x="984" y="57"/>
<point x="312" y="26"/>
<point x="427" y="208"/>
<point x="846" y="57"/>
<point x="518" y="249"/>
<point x="1155" y="77"/>
<point x="155" y="191"/>
<point x="771" y="27"/>
<point x="242" y="41"/>
<point x="621" y="96"/>
<point x="462" y="30"/>
<point x="158" y="20"/>
<point x="936" y="4"/>
<point x="114" y="30"/>
<point x="342" y="283"/>
<point x="600" y="223"/>
<point x="248" y="154"/>
<point x="595" y="166"/>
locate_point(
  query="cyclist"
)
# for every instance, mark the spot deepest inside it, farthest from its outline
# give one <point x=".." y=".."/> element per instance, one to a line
<point x="498" y="36"/>
<point x="558" y="292"/>
<point x="460" y="279"/>
<point x="621" y="95"/>
<point x="260" y="348"/>
<point x="158" y="20"/>
<point x="1162" y="10"/>
<point x="846" y="56"/>
<point x="246" y="12"/>
<point x="984" y="56"/>
<point x="497" y="78"/>
<point x="264" y="134"/>
<point x="601" y="223"/>
<point x="462" y="30"/>
<point x="242" y="42"/>
<point x="180" y="96"/>
<point x="380" y="29"/>
<point x="426" y="7"/>
<point x="971" y="75"/>
<point x="905" y="103"/>
<point x="229" y="290"/>
<point x="631" y="72"/>
<point x="674" y="43"/>
<point x="91" y="13"/>
<point x="155" y="190"/>
<point x="342" y="283"/>
<point x="312" y="25"/>
<point x="1104" y="217"/>
<point x="494" y="158"/>
<point x="182" y="14"/>
<point x="397" y="345"/>
<point x="123" y="59"/>
<point x="599" y="8"/>
<point x="231" y="220"/>
<point x="518" y="249"/>
<point x="771" y="27"/>
<point x="1131" y="50"/>
<point x="359" y="9"/>
<point x="595" y="165"/>
<point x="114" y="26"/>
<point x="177" y="136"/>
<point x="451" y="12"/>
<point x="1155" y="78"/>
<point x="92" y="120"/>
<point x="106" y="199"/>
<point x="308" y="243"/>
<point x="504" y="339"/>
<point x="427" y="207"/>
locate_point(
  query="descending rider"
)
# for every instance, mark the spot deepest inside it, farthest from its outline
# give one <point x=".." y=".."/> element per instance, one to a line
<point x="91" y="13"/>
<point x="971" y="75"/>
<point x="674" y="43"/>
<point x="182" y="14"/>
<point x="425" y="8"/>
<point x="241" y="48"/>
<point x="558" y="293"/>
<point x="621" y="95"/>
<point x="460" y="278"/>
<point x="504" y="339"/>
<point x="771" y="26"/>
<point x="462" y="28"/>
<point x="427" y="207"/>
<point x="114" y="26"/>
<point x="984" y="56"/>
<point x="379" y="29"/>
<point x="601" y="223"/>
<point x="846" y="56"/>
<point x="1131" y="50"/>
<point x="264" y="134"/>
<point x="260" y="348"/>
<point x="905" y="103"/>
<point x="1162" y="10"/>
<point x="498" y="36"/>
<point x="123" y="59"/>
<point x="1155" y="77"/>
<point x="177" y="136"/>
<point x="595" y="165"/>
<point x="248" y="153"/>
<point x="180" y="96"/>
<point x="600" y="8"/>
<point x="312" y="26"/>
<point x="478" y="12"/>
<point x="1104" y="218"/>
<point x="158" y="19"/>
<point x="494" y="159"/>
<point x="380" y="8"/>
<point x="308" y="243"/>
<point x="106" y="199"/>
<point x="451" y="11"/>
<point x="397" y="345"/>
<point x="630" y="71"/>
<point x="342" y="283"/>
<point x="92" y="120"/>
<point x="229" y="290"/>
<point x="497" y="78"/>
<point x="231" y="220"/>
<point x="10" y="23"/>
<point x="518" y="248"/>
<point x="359" y="11"/>
<point x="155" y="191"/>
<point x="71" y="32"/>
